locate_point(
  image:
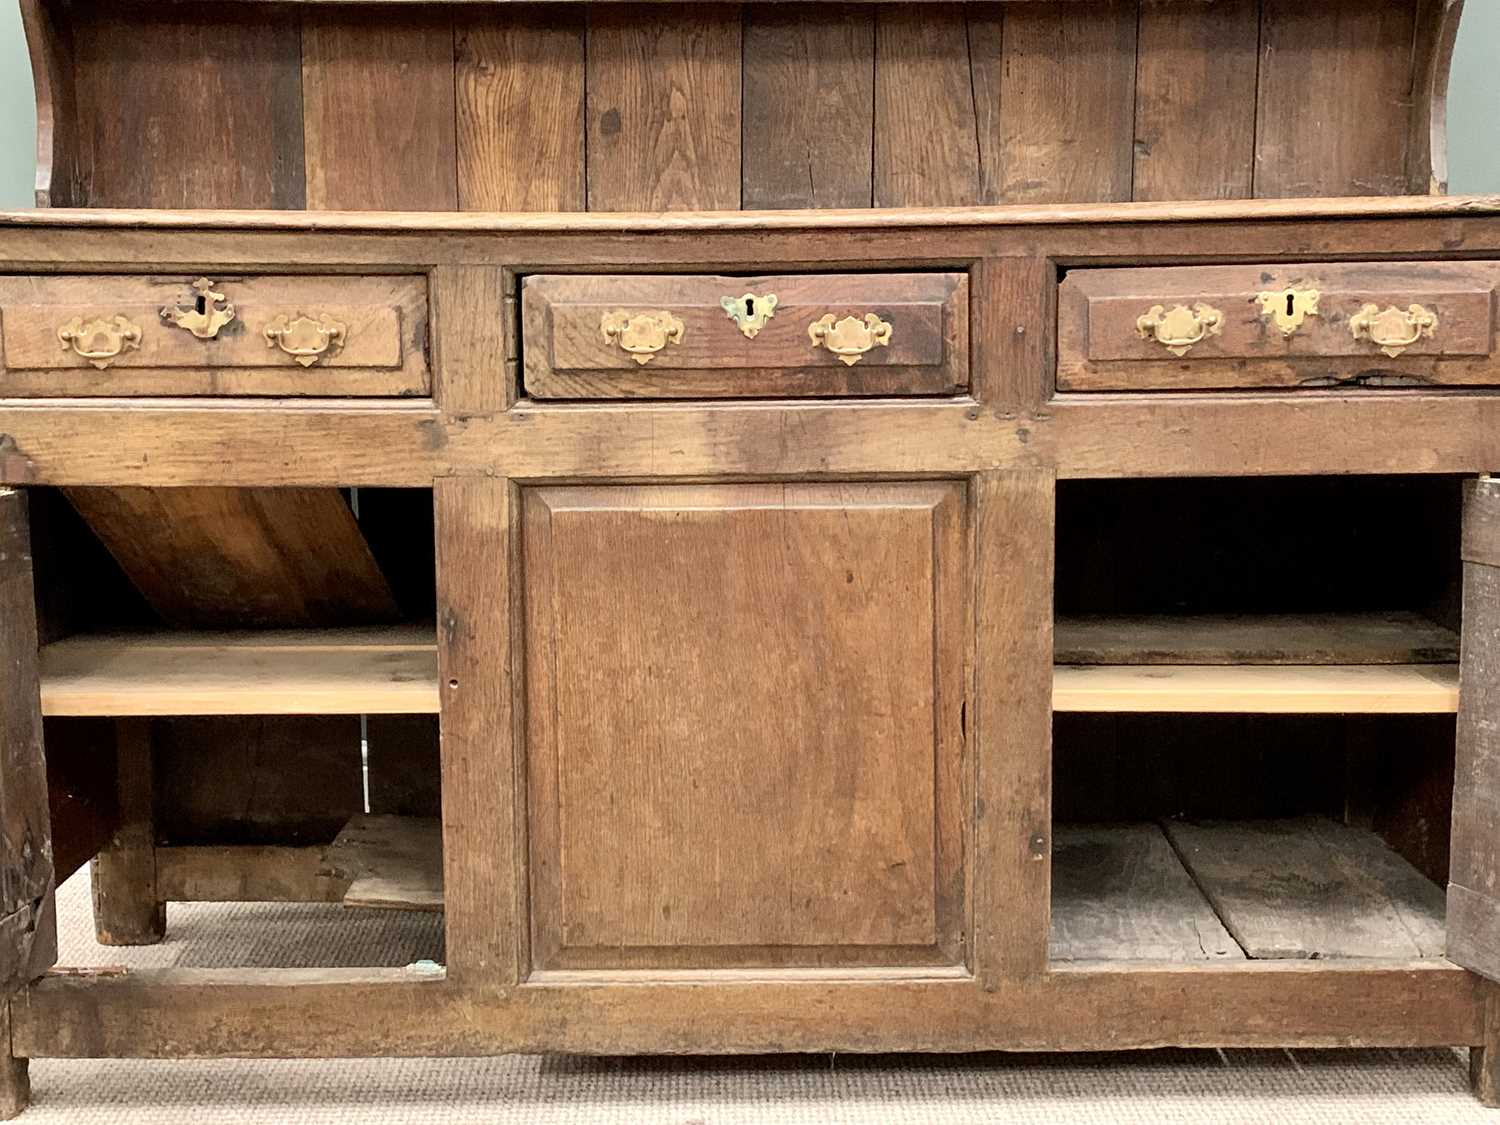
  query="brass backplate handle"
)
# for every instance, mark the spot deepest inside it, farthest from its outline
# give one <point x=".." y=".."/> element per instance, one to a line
<point x="1288" y="308"/>
<point x="750" y="311"/>
<point x="851" y="337"/>
<point x="641" y="335"/>
<point x="203" y="314"/>
<point x="306" y="339"/>
<point x="100" y="340"/>
<point x="1393" y="330"/>
<point x="1177" y="329"/>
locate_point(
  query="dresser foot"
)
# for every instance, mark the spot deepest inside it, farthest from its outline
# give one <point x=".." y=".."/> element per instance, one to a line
<point x="15" y="1078"/>
<point x="1484" y="1060"/>
<point x="127" y="910"/>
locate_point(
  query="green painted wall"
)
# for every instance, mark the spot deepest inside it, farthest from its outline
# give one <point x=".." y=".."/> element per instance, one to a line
<point x="1473" y="106"/>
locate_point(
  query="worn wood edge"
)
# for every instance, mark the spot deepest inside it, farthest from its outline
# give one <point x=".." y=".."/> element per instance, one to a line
<point x="245" y="873"/>
<point x="1263" y="689"/>
<point x="1437" y="27"/>
<point x="341" y="444"/>
<point x="883" y="218"/>
<point x="183" y="1013"/>
<point x="53" y="91"/>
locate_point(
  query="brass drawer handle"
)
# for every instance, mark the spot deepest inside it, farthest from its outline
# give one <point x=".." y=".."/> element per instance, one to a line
<point x="100" y="340"/>
<point x="1177" y="329"/>
<point x="202" y="315"/>
<point x="304" y="339"/>
<point x="850" y="338"/>
<point x="641" y="335"/>
<point x="1393" y="330"/>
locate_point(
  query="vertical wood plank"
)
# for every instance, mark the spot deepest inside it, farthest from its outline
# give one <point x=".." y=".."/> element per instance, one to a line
<point x="520" y="109"/>
<point x="1067" y="103"/>
<point x="51" y="48"/>
<point x="1013" y="308"/>
<point x="664" y="107"/>
<point x="379" y="111"/>
<point x="1014" y="521"/>
<point x="482" y="861"/>
<point x="127" y="909"/>
<point x="1437" y="23"/>
<point x="1484" y="1058"/>
<point x="1195" y="99"/>
<point x="472" y="315"/>
<point x="235" y="80"/>
<point x="926" y="133"/>
<point x="15" y="1074"/>
<point x="1473" y="903"/>
<point x="809" y="106"/>
<point x="1334" y="102"/>
<point x="28" y="938"/>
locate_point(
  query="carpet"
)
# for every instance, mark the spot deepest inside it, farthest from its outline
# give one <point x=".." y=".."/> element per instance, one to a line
<point x="1176" y="1087"/>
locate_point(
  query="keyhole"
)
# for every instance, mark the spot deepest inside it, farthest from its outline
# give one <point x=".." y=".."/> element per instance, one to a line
<point x="202" y="304"/>
<point x="1290" y="301"/>
<point x="749" y="306"/>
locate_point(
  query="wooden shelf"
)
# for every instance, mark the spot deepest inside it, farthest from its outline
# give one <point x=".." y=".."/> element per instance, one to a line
<point x="387" y="671"/>
<point x="1374" y="689"/>
<point x="1263" y="890"/>
<point x="1318" y="638"/>
<point x="389" y="862"/>
<point x="394" y="671"/>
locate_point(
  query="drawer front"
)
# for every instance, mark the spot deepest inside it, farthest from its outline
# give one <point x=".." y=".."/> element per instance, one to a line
<point x="745" y="337"/>
<point x="117" y="335"/>
<point x="1317" y="325"/>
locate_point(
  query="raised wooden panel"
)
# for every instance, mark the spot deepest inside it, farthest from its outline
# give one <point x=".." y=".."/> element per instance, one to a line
<point x="680" y="341"/>
<point x="1333" y="115"/>
<point x="664" y="107"/>
<point x="745" y="739"/>
<point x="1412" y="324"/>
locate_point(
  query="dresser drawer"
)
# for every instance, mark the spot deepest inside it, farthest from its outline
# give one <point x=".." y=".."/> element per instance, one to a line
<point x="1317" y="325"/>
<point x="119" y="335"/>
<point x="744" y="337"/>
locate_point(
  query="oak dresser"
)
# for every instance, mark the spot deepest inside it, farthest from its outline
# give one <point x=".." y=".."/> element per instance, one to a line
<point x="791" y="527"/>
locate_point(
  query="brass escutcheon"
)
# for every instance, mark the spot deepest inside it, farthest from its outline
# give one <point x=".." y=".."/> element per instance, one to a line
<point x="99" y="340"/>
<point x="304" y="338"/>
<point x="851" y="337"/>
<point x="202" y="315"/>
<point x="1393" y="330"/>
<point x="641" y="335"/>
<point x="750" y="311"/>
<point x="1177" y="329"/>
<point x="1288" y="307"/>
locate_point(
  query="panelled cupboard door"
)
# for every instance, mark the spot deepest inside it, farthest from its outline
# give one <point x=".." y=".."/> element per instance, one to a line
<point x="745" y="731"/>
<point x="1474" y="879"/>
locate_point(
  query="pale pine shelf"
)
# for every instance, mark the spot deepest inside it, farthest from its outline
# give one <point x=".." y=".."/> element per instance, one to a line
<point x="394" y="671"/>
<point x="1372" y="663"/>
<point x="383" y="671"/>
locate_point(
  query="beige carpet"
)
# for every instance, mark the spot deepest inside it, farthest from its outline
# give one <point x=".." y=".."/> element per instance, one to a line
<point x="1155" y="1088"/>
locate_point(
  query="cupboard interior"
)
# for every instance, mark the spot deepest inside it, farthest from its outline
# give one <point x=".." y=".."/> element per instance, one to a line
<point x="250" y="701"/>
<point x="1229" y="820"/>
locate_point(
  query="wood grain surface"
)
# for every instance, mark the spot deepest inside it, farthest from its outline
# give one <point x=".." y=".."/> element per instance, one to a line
<point x="791" y="709"/>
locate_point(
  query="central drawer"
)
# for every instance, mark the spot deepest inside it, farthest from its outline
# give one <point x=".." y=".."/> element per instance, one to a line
<point x="632" y="336"/>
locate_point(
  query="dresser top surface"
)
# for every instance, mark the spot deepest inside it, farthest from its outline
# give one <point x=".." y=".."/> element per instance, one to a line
<point x="1374" y="207"/>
